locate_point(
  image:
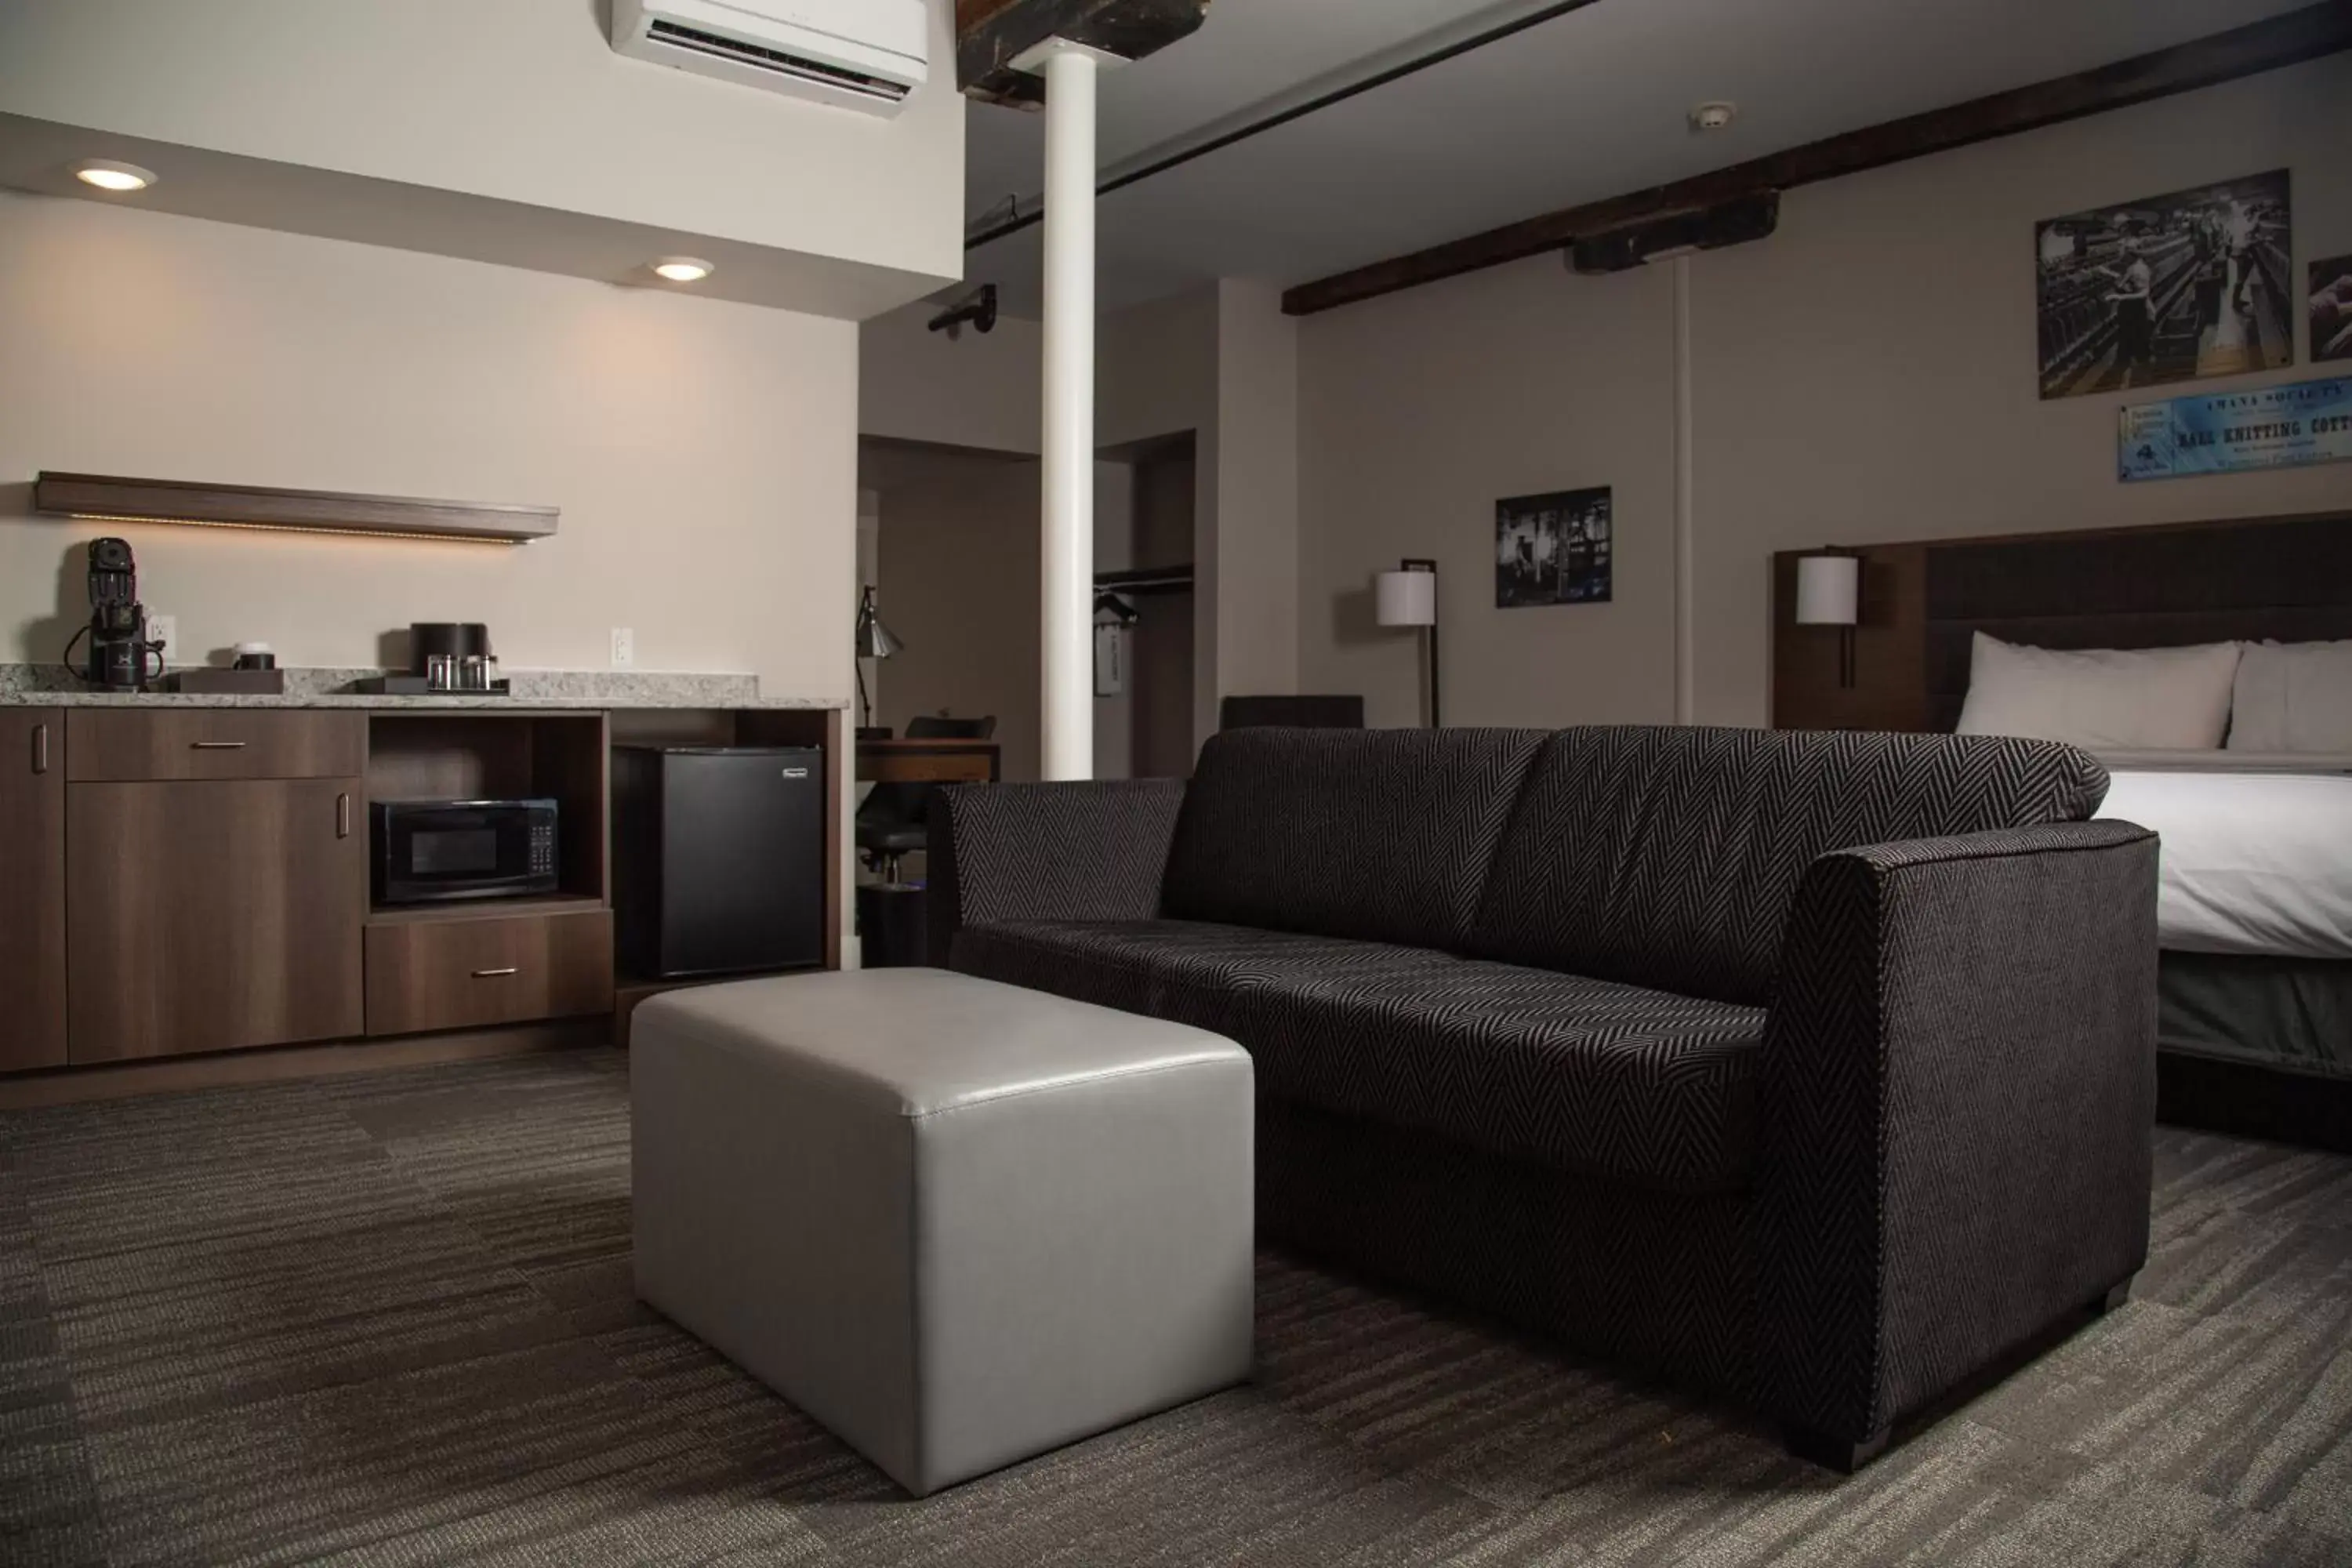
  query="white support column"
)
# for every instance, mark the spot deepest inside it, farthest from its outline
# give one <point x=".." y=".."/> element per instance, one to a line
<point x="1685" y="526"/>
<point x="1069" y="554"/>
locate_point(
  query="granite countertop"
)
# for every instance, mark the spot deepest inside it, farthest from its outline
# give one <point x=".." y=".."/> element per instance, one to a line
<point x="53" y="685"/>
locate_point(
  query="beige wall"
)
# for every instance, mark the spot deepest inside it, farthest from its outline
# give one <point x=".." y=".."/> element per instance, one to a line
<point x="958" y="577"/>
<point x="1221" y="363"/>
<point x="981" y="390"/>
<point x="1867" y="373"/>
<point x="1155" y="373"/>
<point x="1253" y="567"/>
<point x="1416" y="414"/>
<point x="521" y="101"/>
<point x="956" y="558"/>
<point x="1158" y="376"/>
<point x="703" y="453"/>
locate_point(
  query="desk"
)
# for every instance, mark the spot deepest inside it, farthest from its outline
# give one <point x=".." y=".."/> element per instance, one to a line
<point x="927" y="761"/>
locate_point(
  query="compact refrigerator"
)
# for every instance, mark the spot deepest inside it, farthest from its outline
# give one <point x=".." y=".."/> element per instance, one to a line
<point x="718" y="858"/>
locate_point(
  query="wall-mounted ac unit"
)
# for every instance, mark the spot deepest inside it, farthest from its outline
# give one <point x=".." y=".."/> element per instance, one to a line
<point x="860" y="54"/>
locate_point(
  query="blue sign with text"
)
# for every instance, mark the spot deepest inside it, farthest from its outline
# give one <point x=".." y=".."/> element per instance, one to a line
<point x="2231" y="432"/>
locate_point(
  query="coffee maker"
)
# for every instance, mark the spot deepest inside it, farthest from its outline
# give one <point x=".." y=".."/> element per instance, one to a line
<point x="119" y="649"/>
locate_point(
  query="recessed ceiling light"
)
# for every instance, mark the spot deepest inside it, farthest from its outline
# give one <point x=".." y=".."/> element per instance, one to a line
<point x="683" y="269"/>
<point x="1716" y="116"/>
<point x="108" y="175"/>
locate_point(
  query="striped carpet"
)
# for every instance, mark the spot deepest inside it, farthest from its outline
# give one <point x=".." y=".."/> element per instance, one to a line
<point x="388" y="1319"/>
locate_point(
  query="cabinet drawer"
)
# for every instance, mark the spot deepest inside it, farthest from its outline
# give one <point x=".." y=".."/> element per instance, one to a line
<point x="137" y="745"/>
<point x="460" y="973"/>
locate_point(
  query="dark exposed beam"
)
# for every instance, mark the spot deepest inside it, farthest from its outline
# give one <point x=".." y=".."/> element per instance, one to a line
<point x="992" y="34"/>
<point x="2284" y="40"/>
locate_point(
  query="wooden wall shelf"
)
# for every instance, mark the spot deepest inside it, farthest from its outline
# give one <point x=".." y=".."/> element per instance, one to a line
<point x="100" y="498"/>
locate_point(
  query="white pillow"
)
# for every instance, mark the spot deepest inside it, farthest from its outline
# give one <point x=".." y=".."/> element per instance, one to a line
<point x="2163" y="698"/>
<point x="2294" y="697"/>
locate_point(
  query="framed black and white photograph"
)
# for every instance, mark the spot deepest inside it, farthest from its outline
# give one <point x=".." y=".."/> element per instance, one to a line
<point x="2331" y="309"/>
<point x="1553" y="549"/>
<point x="2174" y="288"/>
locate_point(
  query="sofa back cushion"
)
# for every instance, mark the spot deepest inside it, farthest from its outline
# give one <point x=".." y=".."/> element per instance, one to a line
<point x="1378" y="835"/>
<point x="1669" y="858"/>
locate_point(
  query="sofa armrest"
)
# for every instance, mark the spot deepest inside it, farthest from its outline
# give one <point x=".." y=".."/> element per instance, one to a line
<point x="1957" y="1101"/>
<point x="1047" y="851"/>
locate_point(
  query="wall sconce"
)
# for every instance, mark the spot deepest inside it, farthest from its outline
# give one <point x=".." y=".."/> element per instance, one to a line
<point x="1408" y="597"/>
<point x="1829" y="594"/>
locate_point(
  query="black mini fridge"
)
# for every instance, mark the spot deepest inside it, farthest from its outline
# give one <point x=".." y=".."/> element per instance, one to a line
<point x="718" y="858"/>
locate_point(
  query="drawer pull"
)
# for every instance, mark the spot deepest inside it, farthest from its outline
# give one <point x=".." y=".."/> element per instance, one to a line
<point x="494" y="974"/>
<point x="217" y="745"/>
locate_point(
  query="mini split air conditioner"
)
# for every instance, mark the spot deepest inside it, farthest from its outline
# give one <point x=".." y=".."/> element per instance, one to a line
<point x="861" y="54"/>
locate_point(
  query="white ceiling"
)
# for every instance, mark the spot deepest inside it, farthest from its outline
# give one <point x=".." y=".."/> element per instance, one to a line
<point x="1586" y="105"/>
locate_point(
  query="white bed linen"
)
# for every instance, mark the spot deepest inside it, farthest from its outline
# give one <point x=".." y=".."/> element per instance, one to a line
<point x="2253" y="860"/>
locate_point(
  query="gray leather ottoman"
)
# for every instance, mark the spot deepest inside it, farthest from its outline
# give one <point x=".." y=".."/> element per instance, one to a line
<point x="958" y="1222"/>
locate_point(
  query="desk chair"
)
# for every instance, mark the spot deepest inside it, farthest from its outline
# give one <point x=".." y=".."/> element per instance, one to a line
<point x="892" y="819"/>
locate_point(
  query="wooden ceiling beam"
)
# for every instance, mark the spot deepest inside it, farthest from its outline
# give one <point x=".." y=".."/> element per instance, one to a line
<point x="992" y="34"/>
<point x="2289" y="39"/>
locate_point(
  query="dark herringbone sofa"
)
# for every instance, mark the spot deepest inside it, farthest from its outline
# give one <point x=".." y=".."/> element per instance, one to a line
<point x="1818" y="1070"/>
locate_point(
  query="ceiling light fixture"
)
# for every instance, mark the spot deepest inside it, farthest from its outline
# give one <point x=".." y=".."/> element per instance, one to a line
<point x="108" y="175"/>
<point x="1716" y="116"/>
<point x="684" y="269"/>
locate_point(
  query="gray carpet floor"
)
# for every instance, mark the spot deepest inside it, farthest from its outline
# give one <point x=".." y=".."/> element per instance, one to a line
<point x="388" y="1319"/>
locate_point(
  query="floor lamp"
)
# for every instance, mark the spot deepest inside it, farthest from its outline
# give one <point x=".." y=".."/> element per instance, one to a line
<point x="874" y="641"/>
<point x="1408" y="597"/>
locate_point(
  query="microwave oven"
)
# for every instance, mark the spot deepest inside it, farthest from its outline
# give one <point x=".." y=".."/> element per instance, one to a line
<point x="426" y="851"/>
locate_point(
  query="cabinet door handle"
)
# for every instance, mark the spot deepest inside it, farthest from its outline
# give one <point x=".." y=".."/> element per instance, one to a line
<point x="217" y="745"/>
<point x="495" y="973"/>
<point x="343" y="816"/>
<point x="40" y="748"/>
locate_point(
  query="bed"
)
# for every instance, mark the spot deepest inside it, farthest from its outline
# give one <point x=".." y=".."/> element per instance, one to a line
<point x="2256" y="911"/>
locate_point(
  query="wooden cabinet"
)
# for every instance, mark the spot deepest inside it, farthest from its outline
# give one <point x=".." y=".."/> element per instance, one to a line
<point x="453" y="973"/>
<point x="135" y="743"/>
<point x="205" y="915"/>
<point x="178" y="880"/>
<point x="32" y="889"/>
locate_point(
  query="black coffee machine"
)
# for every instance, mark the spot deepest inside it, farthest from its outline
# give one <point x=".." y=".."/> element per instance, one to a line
<point x="119" y="649"/>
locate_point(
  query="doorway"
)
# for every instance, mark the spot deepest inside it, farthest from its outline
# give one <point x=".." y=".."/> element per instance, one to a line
<point x="954" y="561"/>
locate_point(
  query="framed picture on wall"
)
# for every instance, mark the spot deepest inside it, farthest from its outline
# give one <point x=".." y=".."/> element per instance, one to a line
<point x="1555" y="549"/>
<point x="2173" y="288"/>
<point x="2331" y="308"/>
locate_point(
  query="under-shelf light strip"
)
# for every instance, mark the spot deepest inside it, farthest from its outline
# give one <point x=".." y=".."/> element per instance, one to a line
<point x="301" y="528"/>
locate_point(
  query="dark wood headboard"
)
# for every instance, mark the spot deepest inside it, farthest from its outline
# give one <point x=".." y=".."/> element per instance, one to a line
<point x="2284" y="577"/>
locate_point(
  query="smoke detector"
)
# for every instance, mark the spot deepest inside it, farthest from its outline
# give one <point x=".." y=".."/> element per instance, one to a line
<point x="1716" y="116"/>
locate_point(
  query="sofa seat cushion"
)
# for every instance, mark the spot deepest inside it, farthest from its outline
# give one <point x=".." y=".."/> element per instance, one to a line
<point x="1186" y="970"/>
<point x="1585" y="1075"/>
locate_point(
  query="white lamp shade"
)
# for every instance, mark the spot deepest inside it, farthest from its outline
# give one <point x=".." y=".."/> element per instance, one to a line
<point x="1407" y="598"/>
<point x="1829" y="590"/>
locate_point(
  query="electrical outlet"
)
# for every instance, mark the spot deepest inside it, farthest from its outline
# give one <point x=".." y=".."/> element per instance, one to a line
<point x="625" y="647"/>
<point x="165" y="630"/>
